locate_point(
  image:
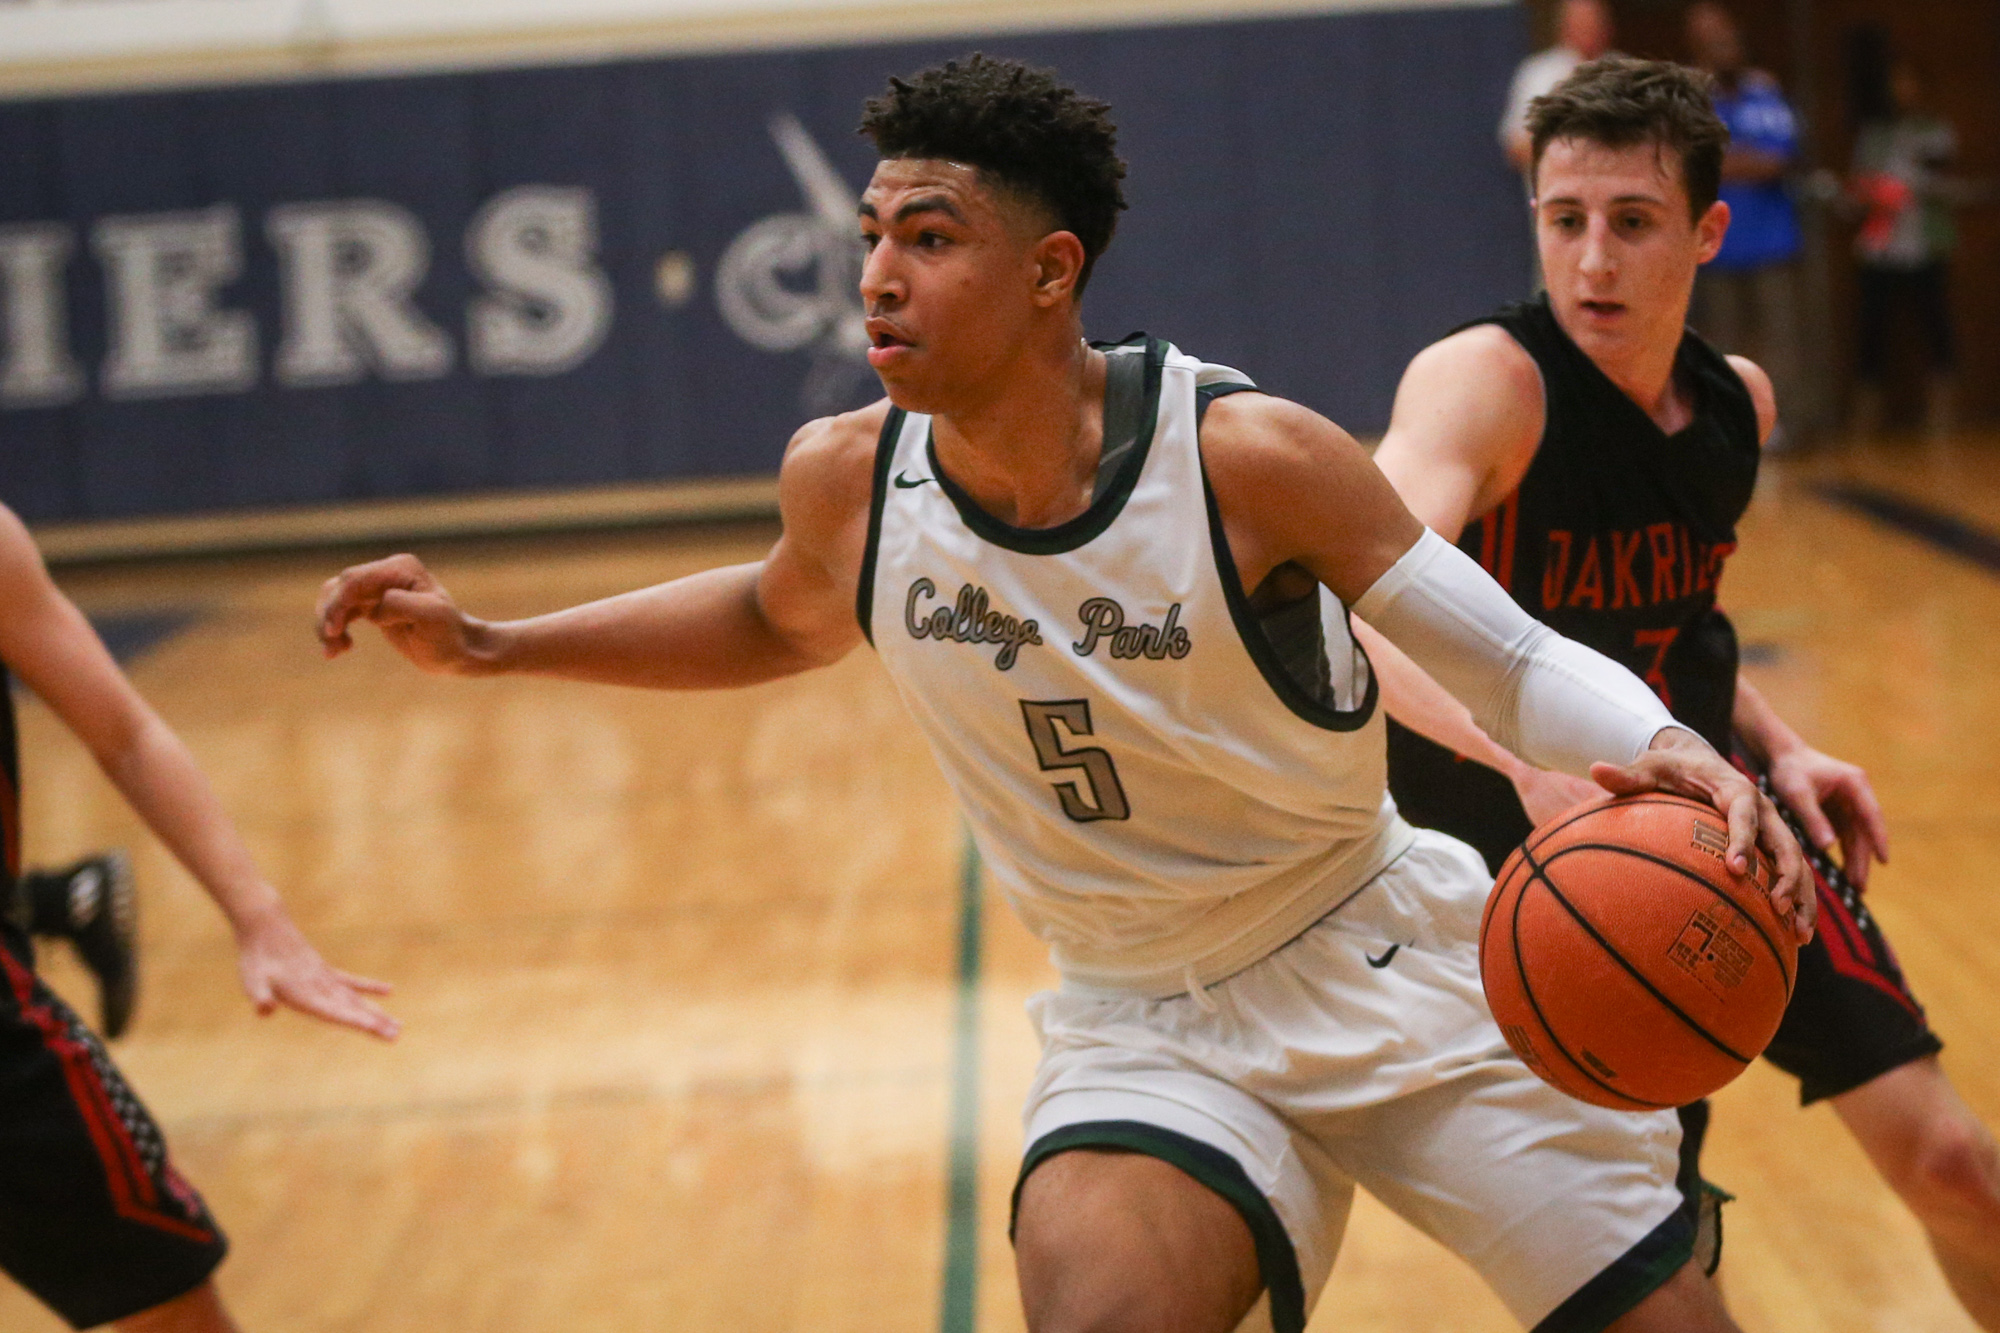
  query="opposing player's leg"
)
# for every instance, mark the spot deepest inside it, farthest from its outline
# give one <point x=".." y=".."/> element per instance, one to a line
<point x="1943" y="1162"/>
<point x="1855" y="1034"/>
<point x="1109" y="1240"/>
<point x="199" y="1311"/>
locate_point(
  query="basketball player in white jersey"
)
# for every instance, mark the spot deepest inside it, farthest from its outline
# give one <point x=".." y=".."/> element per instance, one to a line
<point x="1122" y="629"/>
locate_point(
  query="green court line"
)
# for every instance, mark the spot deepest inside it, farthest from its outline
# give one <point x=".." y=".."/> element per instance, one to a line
<point x="961" y="1235"/>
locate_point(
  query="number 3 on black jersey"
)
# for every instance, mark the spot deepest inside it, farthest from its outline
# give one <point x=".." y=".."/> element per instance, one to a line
<point x="1106" y="799"/>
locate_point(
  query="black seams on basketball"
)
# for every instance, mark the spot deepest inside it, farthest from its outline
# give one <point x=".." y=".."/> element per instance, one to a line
<point x="1625" y="963"/>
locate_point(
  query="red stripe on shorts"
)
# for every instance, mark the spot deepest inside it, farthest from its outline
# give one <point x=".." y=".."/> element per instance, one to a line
<point x="1848" y="948"/>
<point x="133" y="1192"/>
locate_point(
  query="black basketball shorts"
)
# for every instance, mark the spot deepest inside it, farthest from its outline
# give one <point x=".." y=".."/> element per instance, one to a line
<point x="1852" y="1017"/>
<point x="94" y="1220"/>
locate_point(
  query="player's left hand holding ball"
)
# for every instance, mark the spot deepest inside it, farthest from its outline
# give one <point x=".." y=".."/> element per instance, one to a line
<point x="1683" y="763"/>
<point x="415" y="613"/>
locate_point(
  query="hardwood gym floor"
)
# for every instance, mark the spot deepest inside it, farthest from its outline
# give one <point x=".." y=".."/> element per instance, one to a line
<point x="681" y="975"/>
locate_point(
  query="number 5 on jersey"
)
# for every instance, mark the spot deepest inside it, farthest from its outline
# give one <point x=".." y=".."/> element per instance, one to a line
<point x="1094" y="793"/>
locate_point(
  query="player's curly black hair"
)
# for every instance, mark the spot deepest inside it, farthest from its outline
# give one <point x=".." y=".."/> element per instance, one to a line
<point x="1619" y="102"/>
<point x="1021" y="127"/>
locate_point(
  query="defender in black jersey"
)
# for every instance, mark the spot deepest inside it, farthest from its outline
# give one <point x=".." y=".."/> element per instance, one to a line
<point x="94" y="1220"/>
<point x="1594" y="456"/>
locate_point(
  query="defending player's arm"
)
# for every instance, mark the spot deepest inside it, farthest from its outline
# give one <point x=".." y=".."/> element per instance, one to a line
<point x="46" y="641"/>
<point x="1295" y="489"/>
<point x="1466" y="423"/>
<point x="740" y="625"/>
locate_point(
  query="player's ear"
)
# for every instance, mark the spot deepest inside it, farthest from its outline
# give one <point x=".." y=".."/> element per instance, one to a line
<point x="1709" y="229"/>
<point x="1058" y="259"/>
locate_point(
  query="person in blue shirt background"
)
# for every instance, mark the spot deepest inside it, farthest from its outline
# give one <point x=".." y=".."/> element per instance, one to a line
<point x="1747" y="298"/>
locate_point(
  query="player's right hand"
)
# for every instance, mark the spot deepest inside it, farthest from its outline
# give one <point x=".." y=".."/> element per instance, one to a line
<point x="1682" y="763"/>
<point x="412" y="609"/>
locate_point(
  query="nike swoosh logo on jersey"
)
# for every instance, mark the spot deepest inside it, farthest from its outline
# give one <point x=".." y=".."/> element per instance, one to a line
<point x="1383" y="961"/>
<point x="906" y="483"/>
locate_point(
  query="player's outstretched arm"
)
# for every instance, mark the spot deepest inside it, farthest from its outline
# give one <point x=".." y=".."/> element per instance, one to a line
<point x="1411" y="697"/>
<point x="723" y="627"/>
<point x="1295" y="490"/>
<point x="46" y="641"/>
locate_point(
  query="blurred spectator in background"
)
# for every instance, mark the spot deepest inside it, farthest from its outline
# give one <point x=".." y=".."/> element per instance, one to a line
<point x="1905" y="242"/>
<point x="1583" y="32"/>
<point x="1746" y="300"/>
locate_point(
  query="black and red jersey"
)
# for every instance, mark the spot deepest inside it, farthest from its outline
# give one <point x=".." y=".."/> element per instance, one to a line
<point x="1616" y="537"/>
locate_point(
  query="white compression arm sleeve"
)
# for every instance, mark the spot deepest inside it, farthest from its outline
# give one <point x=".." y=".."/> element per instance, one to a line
<point x="1550" y="700"/>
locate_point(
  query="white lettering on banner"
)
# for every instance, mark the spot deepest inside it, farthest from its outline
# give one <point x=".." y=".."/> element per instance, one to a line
<point x="792" y="280"/>
<point x="36" y="369"/>
<point x="168" y="335"/>
<point x="760" y="306"/>
<point x="350" y="270"/>
<point x="549" y="306"/>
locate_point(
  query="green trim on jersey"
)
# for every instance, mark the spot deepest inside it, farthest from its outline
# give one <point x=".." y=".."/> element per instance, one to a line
<point x="1091" y="523"/>
<point x="1258" y="644"/>
<point x="885" y="453"/>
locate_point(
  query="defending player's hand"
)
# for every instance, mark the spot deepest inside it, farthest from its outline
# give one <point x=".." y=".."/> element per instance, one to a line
<point x="412" y="609"/>
<point x="1546" y="793"/>
<point x="279" y="966"/>
<point x="1835" y="803"/>
<point x="1682" y="763"/>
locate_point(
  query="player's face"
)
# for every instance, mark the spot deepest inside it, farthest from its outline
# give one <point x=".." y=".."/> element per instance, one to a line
<point x="1619" y="251"/>
<point x="951" y="284"/>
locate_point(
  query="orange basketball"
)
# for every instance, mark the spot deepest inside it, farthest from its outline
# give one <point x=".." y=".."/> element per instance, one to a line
<point x="1624" y="961"/>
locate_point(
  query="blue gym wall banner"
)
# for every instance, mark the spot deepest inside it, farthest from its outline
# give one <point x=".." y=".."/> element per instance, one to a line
<point x="367" y="287"/>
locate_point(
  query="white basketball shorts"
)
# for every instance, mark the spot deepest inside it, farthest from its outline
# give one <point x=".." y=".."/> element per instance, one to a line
<point x="1362" y="1053"/>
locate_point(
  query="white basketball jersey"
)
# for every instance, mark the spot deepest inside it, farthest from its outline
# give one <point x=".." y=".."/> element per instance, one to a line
<point x="1164" y="793"/>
